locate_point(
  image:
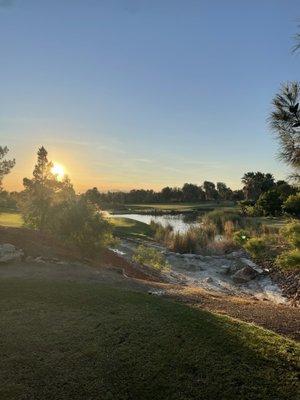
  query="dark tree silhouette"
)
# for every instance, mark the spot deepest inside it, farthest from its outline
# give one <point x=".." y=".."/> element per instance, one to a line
<point x="5" y="165"/>
<point x="285" y="123"/>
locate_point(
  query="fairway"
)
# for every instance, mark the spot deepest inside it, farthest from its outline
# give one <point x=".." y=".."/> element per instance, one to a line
<point x="126" y="227"/>
<point x="93" y="341"/>
<point x="11" y="219"/>
<point x="183" y="207"/>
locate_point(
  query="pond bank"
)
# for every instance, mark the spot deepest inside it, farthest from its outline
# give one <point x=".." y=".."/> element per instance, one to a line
<point x="232" y="274"/>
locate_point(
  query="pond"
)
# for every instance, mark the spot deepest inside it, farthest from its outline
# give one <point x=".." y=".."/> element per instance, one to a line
<point x="179" y="222"/>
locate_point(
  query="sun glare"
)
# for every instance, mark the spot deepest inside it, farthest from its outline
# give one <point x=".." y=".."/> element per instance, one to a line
<point x="58" y="171"/>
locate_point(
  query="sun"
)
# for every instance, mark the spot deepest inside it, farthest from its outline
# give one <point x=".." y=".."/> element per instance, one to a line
<point x="58" y="170"/>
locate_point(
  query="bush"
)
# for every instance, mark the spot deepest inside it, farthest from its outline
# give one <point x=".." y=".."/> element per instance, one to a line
<point x="241" y="237"/>
<point x="150" y="257"/>
<point x="78" y="223"/>
<point x="257" y="247"/>
<point x="289" y="260"/>
<point x="270" y="203"/>
<point x="292" y="205"/>
<point x="291" y="233"/>
<point x="244" y="204"/>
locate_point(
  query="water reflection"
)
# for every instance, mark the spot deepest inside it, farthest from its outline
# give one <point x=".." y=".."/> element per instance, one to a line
<point x="180" y="222"/>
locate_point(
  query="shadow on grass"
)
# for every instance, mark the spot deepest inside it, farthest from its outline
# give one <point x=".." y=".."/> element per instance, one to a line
<point x="91" y="341"/>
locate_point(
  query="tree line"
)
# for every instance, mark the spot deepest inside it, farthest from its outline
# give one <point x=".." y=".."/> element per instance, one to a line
<point x="254" y="185"/>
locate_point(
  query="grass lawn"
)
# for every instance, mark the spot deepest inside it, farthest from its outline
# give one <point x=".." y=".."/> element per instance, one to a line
<point x="130" y="228"/>
<point x="275" y="222"/>
<point x="12" y="219"/>
<point x="63" y="340"/>
<point x="180" y="207"/>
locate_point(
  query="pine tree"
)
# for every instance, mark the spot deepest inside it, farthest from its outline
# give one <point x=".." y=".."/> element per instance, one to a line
<point x="5" y="165"/>
<point x="42" y="191"/>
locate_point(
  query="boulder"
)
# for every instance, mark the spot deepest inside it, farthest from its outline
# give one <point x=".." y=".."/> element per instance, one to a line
<point x="8" y="253"/>
<point x="236" y="254"/>
<point x="251" y="264"/>
<point x="244" y="275"/>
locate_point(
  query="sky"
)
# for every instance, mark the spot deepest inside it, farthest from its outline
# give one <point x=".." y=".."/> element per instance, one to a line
<point x="144" y="93"/>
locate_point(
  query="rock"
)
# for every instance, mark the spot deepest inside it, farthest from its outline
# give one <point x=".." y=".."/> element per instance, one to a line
<point x="251" y="264"/>
<point x="209" y="279"/>
<point x="225" y="269"/>
<point x="29" y="259"/>
<point x="39" y="260"/>
<point x="156" y="292"/>
<point x="236" y="254"/>
<point x="244" y="275"/>
<point x="8" y="253"/>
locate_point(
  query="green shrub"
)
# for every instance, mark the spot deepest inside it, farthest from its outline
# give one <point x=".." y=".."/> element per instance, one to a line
<point x="292" y="205"/>
<point x="241" y="237"/>
<point x="270" y="203"/>
<point x="150" y="257"/>
<point x="253" y="211"/>
<point x="291" y="233"/>
<point x="289" y="260"/>
<point x="244" y="204"/>
<point x="257" y="247"/>
<point x="79" y="224"/>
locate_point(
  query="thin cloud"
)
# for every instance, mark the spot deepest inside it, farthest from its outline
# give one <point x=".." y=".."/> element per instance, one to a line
<point x="210" y="164"/>
<point x="144" y="160"/>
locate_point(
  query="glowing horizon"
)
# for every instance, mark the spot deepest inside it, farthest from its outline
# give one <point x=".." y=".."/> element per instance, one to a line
<point x="128" y="106"/>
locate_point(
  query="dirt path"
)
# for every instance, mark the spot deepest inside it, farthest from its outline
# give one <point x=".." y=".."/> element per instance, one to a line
<point x="279" y="318"/>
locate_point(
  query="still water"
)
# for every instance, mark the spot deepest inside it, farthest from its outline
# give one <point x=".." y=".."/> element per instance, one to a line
<point x="180" y="222"/>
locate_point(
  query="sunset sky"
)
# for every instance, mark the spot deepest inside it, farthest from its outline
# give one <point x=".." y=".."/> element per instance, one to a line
<point x="144" y="93"/>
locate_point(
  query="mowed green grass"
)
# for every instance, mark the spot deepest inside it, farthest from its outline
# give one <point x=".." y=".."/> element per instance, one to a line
<point x="92" y="341"/>
<point x="12" y="219"/>
<point x="126" y="227"/>
<point x="273" y="222"/>
<point x="180" y="206"/>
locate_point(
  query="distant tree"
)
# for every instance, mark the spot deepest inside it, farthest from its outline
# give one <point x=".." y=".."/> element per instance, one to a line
<point x="93" y="196"/>
<point x="5" y="165"/>
<point x="225" y="193"/>
<point x="255" y="183"/>
<point x="7" y="200"/>
<point x="238" y="195"/>
<point x="191" y="192"/>
<point x="285" y="123"/>
<point x="210" y="190"/>
<point x="166" y="193"/>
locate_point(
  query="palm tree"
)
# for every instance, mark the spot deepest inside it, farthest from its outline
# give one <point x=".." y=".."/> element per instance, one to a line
<point x="296" y="47"/>
<point x="285" y="123"/>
